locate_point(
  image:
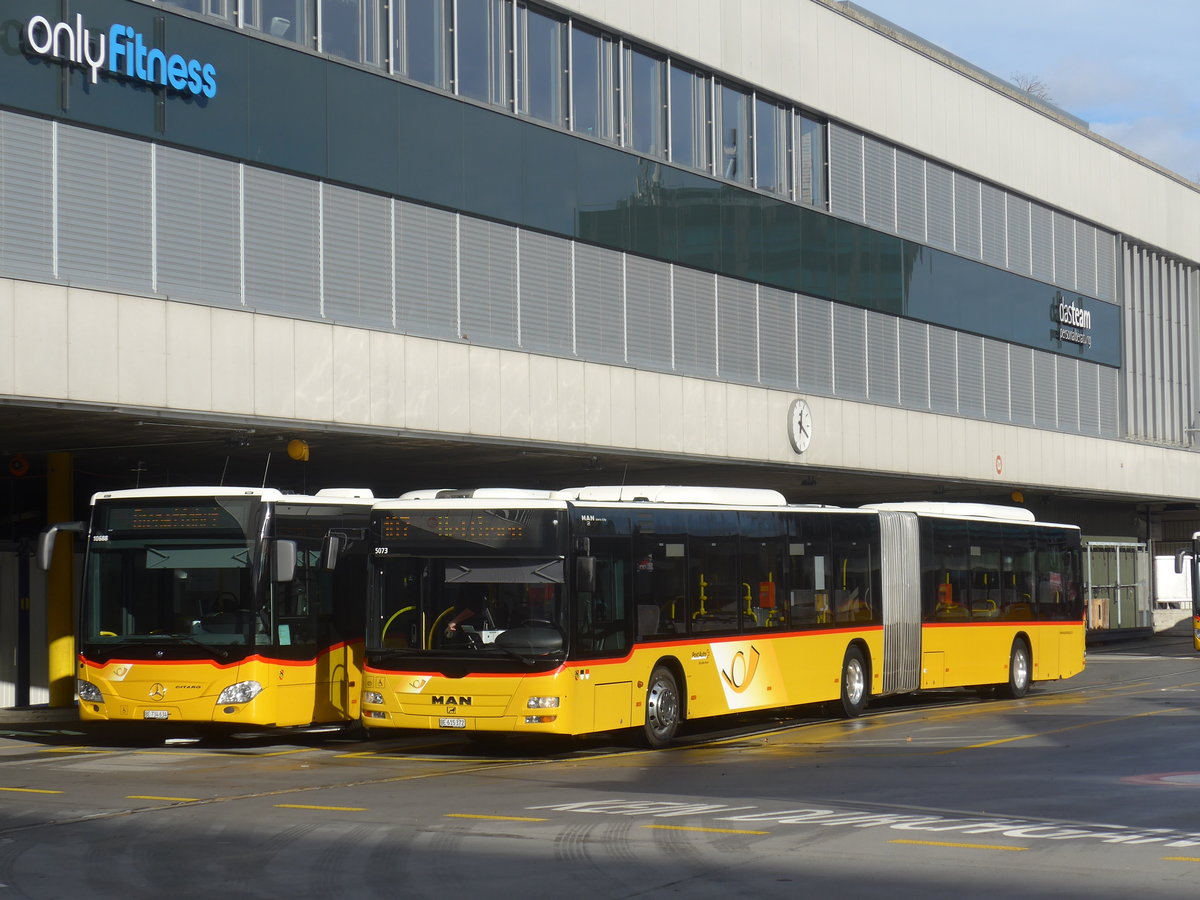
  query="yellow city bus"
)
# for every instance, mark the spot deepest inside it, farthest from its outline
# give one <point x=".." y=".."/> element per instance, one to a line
<point x="602" y="608"/>
<point x="221" y="606"/>
<point x="1191" y="558"/>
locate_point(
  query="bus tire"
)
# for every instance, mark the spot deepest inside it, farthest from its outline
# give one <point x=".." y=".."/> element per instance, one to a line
<point x="1020" y="668"/>
<point x="662" y="708"/>
<point x="855" y="684"/>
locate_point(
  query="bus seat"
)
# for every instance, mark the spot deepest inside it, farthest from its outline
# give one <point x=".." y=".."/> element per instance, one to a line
<point x="647" y="619"/>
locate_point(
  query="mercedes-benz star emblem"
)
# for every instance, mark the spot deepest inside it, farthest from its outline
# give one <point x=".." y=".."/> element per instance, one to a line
<point x="157" y="691"/>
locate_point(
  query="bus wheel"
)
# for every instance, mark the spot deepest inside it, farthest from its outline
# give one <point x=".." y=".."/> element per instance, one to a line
<point x="1019" y="669"/>
<point x="662" y="708"/>
<point x="854" y="683"/>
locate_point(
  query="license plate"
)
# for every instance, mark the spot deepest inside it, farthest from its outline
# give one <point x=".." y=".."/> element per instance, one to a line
<point x="155" y="714"/>
<point x="452" y="723"/>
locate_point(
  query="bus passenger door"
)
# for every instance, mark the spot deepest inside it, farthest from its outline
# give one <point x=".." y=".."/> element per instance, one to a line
<point x="602" y="630"/>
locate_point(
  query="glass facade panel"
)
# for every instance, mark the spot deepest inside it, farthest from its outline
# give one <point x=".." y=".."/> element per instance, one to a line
<point x="645" y="104"/>
<point x="423" y="39"/>
<point x="593" y="86"/>
<point x="542" y="66"/>
<point x="770" y="147"/>
<point x="734" y="134"/>
<point x="289" y="20"/>
<point x="691" y="118"/>
<point x="351" y="29"/>
<point x="482" y="29"/>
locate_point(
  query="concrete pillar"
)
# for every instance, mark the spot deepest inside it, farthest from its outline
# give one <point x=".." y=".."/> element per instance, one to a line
<point x="60" y="587"/>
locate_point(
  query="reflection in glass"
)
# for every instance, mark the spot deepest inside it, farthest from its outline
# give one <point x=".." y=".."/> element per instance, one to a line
<point x="770" y="146"/>
<point x="734" y="132"/>
<point x="691" y="119"/>
<point x="593" y="87"/>
<point x="350" y="29"/>
<point x="645" y="104"/>
<point x="288" y="20"/>
<point x="482" y="29"/>
<point x="810" y="161"/>
<point x="542" y="66"/>
<point x="423" y="41"/>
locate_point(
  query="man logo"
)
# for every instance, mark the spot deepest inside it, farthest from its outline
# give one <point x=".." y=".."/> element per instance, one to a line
<point x="741" y="671"/>
<point x="449" y="700"/>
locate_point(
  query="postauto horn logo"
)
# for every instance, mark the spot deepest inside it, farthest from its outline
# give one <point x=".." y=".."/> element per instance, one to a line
<point x="123" y="52"/>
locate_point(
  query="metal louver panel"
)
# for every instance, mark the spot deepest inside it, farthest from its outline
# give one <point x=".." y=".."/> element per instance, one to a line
<point x="939" y="200"/>
<point x="737" y="331"/>
<point x="879" y="184"/>
<point x="695" y="328"/>
<point x="1068" y="393"/>
<point x="1108" y="392"/>
<point x="199" y="228"/>
<point x="967" y="240"/>
<point x="26" y="219"/>
<point x="910" y="196"/>
<point x="1085" y="258"/>
<point x="1020" y="374"/>
<point x="599" y="304"/>
<point x="546" y="324"/>
<point x="1064" y="250"/>
<point x="849" y="361"/>
<point x="426" y="271"/>
<point x="648" y="312"/>
<point x="1106" y="265"/>
<point x="357" y="252"/>
<point x="1017" y="225"/>
<point x="815" y="342"/>
<point x="1089" y="398"/>
<point x="900" y="577"/>
<point x="281" y="243"/>
<point x="488" y="282"/>
<point x="1042" y="243"/>
<point x="995" y="380"/>
<point x="845" y="172"/>
<point x="970" y="375"/>
<point x="104" y="210"/>
<point x="991" y="217"/>
<point x="883" y="375"/>
<point x="1045" y="390"/>
<point x="914" y="364"/>
<point x="777" y="338"/>
<point x="943" y="370"/>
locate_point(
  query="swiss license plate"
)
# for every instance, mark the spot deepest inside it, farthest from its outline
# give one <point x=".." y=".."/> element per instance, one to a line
<point x="155" y="714"/>
<point x="452" y="723"/>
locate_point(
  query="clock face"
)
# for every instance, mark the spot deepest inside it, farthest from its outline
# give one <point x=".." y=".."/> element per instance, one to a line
<point x="800" y="425"/>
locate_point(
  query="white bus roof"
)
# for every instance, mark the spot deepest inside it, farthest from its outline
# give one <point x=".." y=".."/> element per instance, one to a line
<point x="674" y="493"/>
<point x="266" y="494"/>
<point x="959" y="510"/>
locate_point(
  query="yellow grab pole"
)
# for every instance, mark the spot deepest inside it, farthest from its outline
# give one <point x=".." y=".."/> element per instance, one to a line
<point x="60" y="587"/>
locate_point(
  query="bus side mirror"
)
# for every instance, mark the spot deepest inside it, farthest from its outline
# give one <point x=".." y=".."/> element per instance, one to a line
<point x="283" y="561"/>
<point x="331" y="550"/>
<point x="585" y="574"/>
<point x="45" y="547"/>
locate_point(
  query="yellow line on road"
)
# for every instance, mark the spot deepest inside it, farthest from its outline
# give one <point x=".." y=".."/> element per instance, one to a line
<point x="493" y="818"/>
<point x="28" y="790"/>
<point x="961" y="846"/>
<point x="1038" y="734"/>
<point x="75" y="750"/>
<point x="168" y="799"/>
<point x="707" y="830"/>
<point x="1181" y="858"/>
<point x="327" y="808"/>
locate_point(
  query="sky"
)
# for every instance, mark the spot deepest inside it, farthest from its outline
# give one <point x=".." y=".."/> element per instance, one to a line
<point x="1131" y="69"/>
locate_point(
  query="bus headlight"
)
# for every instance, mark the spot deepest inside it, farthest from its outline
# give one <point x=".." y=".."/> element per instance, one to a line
<point x="88" y="691"/>
<point x="543" y="703"/>
<point x="242" y="692"/>
<point x="373" y="697"/>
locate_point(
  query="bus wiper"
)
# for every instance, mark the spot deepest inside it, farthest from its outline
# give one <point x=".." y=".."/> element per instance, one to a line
<point x="215" y="652"/>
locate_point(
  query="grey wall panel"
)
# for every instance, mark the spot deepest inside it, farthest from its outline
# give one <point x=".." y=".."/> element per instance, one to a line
<point x="879" y="180"/>
<point x="849" y="352"/>
<point x="914" y="364"/>
<point x="943" y="370"/>
<point x="883" y="359"/>
<point x="967" y="234"/>
<point x="1068" y="393"/>
<point x="599" y="304"/>
<point x="1064" y="250"/>
<point x="910" y="196"/>
<point x="939" y="199"/>
<point x="1085" y="258"/>
<point x="1016" y="223"/>
<point x="815" y="339"/>
<point x="994" y="233"/>
<point x="357" y="255"/>
<point x="104" y="210"/>
<point x="426" y="271"/>
<point x="737" y="331"/>
<point x="845" y="172"/>
<point x="777" y="338"/>
<point x="26" y="217"/>
<point x="1045" y="390"/>
<point x="1106" y="265"/>
<point x="1108" y="392"/>
<point x="1042" y="242"/>
<point x="970" y="376"/>
<point x="695" y="330"/>
<point x="996" y="380"/>
<point x="648" y="312"/>
<point x="1020" y="367"/>
<point x="282" y="246"/>
<point x="199" y="228"/>
<point x="546" y="319"/>
<point x="487" y="271"/>
<point x="1089" y="399"/>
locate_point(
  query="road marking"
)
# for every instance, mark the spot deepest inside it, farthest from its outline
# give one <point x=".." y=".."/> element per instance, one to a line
<point x="327" y="808"/>
<point x="168" y="799"/>
<point x="961" y="846"/>
<point x="1038" y="734"/>
<point x="75" y="750"/>
<point x="707" y="830"/>
<point x="28" y="790"/>
<point x="493" y="818"/>
<point x="1181" y="858"/>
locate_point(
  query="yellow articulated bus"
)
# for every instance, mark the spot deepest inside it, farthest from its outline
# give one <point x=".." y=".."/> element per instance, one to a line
<point x="221" y="606"/>
<point x="1191" y="558"/>
<point x="602" y="608"/>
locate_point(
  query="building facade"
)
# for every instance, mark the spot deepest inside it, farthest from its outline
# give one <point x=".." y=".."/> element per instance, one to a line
<point x="601" y="229"/>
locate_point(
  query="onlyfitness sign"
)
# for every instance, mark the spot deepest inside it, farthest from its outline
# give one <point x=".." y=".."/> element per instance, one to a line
<point x="122" y="51"/>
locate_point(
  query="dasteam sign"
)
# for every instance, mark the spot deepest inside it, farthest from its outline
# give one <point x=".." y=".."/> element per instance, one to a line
<point x="122" y="51"/>
<point x="1073" y="322"/>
